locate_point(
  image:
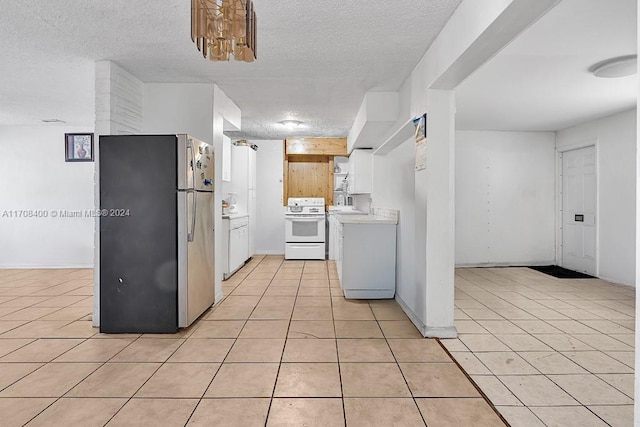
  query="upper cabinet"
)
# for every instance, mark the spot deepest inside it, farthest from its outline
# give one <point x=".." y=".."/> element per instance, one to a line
<point x="360" y="178"/>
<point x="378" y="112"/>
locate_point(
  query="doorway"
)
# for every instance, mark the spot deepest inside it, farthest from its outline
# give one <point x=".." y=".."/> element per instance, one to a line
<point x="578" y="210"/>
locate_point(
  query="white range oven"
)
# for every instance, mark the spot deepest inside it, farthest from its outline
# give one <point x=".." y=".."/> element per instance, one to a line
<point x="305" y="228"/>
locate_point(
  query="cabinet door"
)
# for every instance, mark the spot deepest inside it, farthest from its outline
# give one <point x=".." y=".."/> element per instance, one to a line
<point x="361" y="171"/>
<point x="236" y="248"/>
<point x="330" y="237"/>
<point x="245" y="243"/>
<point x="338" y="249"/>
<point x="352" y="175"/>
<point x="253" y="216"/>
<point x="252" y="169"/>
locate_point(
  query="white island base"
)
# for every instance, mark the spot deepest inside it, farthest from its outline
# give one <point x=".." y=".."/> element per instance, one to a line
<point x="366" y="259"/>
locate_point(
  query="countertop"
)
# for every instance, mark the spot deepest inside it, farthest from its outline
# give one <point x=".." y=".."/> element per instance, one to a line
<point x="364" y="219"/>
<point x="345" y="210"/>
<point x="235" y="215"/>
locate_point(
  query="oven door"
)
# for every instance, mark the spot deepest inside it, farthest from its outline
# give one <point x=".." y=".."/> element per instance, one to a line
<point x="299" y="229"/>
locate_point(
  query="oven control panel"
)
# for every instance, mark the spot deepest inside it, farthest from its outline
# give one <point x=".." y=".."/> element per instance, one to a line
<point x="313" y="202"/>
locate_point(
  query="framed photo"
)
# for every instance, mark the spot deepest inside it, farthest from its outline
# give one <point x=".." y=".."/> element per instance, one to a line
<point x="421" y="142"/>
<point x="421" y="127"/>
<point x="78" y="147"/>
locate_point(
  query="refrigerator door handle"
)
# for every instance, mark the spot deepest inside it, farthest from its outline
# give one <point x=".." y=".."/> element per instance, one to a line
<point x="192" y="190"/>
<point x="192" y="162"/>
<point x="192" y="229"/>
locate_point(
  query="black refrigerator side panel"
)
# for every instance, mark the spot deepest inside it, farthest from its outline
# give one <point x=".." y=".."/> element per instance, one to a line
<point x="138" y="234"/>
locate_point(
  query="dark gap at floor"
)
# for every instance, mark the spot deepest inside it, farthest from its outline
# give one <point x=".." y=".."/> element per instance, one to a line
<point x="560" y="272"/>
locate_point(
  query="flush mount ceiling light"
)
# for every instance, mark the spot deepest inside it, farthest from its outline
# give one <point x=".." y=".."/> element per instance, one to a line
<point x="621" y="66"/>
<point x="290" y="124"/>
<point x="224" y="28"/>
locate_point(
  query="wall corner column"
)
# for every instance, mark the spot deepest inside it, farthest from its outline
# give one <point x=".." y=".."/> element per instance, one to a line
<point x="118" y="104"/>
<point x="435" y="217"/>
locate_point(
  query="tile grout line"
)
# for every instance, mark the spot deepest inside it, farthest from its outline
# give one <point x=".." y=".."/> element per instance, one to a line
<point x="386" y="340"/>
<point x="284" y="346"/>
<point x="482" y="393"/>
<point x="226" y="355"/>
<point x="130" y="398"/>
<point x="562" y="332"/>
<point x="335" y="334"/>
<point x="141" y="337"/>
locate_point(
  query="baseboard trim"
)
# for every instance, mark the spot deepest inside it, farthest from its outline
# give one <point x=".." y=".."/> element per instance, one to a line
<point x="427" y="331"/>
<point x="440" y="332"/>
<point x="412" y="316"/>
<point x="504" y="264"/>
<point x="218" y="298"/>
<point x="45" y="267"/>
<point x="270" y="252"/>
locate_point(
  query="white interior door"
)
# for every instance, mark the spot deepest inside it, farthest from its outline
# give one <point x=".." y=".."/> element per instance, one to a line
<point x="579" y="222"/>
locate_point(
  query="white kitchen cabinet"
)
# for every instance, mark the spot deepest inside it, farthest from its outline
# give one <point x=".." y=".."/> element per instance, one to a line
<point x="226" y="158"/>
<point x="252" y="205"/>
<point x="251" y="169"/>
<point x="235" y="243"/>
<point x="333" y="226"/>
<point x="333" y="235"/>
<point x="360" y="171"/>
<point x="253" y="215"/>
<point x="337" y="247"/>
<point x="366" y="259"/>
<point x="243" y="184"/>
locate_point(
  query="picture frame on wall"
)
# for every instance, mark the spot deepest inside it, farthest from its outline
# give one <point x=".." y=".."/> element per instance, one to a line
<point x="421" y="142"/>
<point x="78" y="147"/>
<point x="421" y="127"/>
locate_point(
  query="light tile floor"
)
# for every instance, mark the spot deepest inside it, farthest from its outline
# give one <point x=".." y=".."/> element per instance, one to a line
<point x="283" y="349"/>
<point x="546" y="351"/>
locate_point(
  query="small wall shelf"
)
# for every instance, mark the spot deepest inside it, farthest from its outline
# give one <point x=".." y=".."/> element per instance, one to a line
<point x="405" y="132"/>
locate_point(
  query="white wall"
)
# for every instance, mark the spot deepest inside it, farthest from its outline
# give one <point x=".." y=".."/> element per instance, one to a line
<point x="505" y="198"/>
<point x="35" y="176"/>
<point x="170" y="108"/>
<point x="475" y="32"/>
<point x="270" y="222"/>
<point x="616" y="218"/>
<point x="394" y="189"/>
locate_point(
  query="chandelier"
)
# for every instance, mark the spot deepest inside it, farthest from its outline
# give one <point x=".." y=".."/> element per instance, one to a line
<point x="224" y="28"/>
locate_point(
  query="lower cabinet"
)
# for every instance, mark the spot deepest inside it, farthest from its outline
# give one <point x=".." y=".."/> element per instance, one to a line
<point x="333" y="235"/>
<point x="235" y="250"/>
<point x="366" y="260"/>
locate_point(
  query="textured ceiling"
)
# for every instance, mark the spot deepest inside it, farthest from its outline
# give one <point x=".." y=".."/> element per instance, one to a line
<point x="540" y="82"/>
<point x="316" y="58"/>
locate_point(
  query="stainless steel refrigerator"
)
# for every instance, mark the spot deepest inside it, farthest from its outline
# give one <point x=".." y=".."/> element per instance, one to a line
<point x="156" y="232"/>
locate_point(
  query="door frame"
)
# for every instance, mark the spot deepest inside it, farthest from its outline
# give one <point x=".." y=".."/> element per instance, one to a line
<point x="560" y="150"/>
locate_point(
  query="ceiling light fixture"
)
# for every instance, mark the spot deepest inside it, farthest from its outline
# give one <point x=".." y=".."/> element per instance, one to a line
<point x="245" y="143"/>
<point x="621" y="66"/>
<point x="53" y="121"/>
<point x="290" y="124"/>
<point x="224" y="28"/>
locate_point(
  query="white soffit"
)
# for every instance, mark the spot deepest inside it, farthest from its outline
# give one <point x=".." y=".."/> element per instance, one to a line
<point x="316" y="60"/>
<point x="541" y="82"/>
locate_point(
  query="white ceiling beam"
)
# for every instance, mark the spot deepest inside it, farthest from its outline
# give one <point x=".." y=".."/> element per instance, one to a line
<point x="514" y="19"/>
